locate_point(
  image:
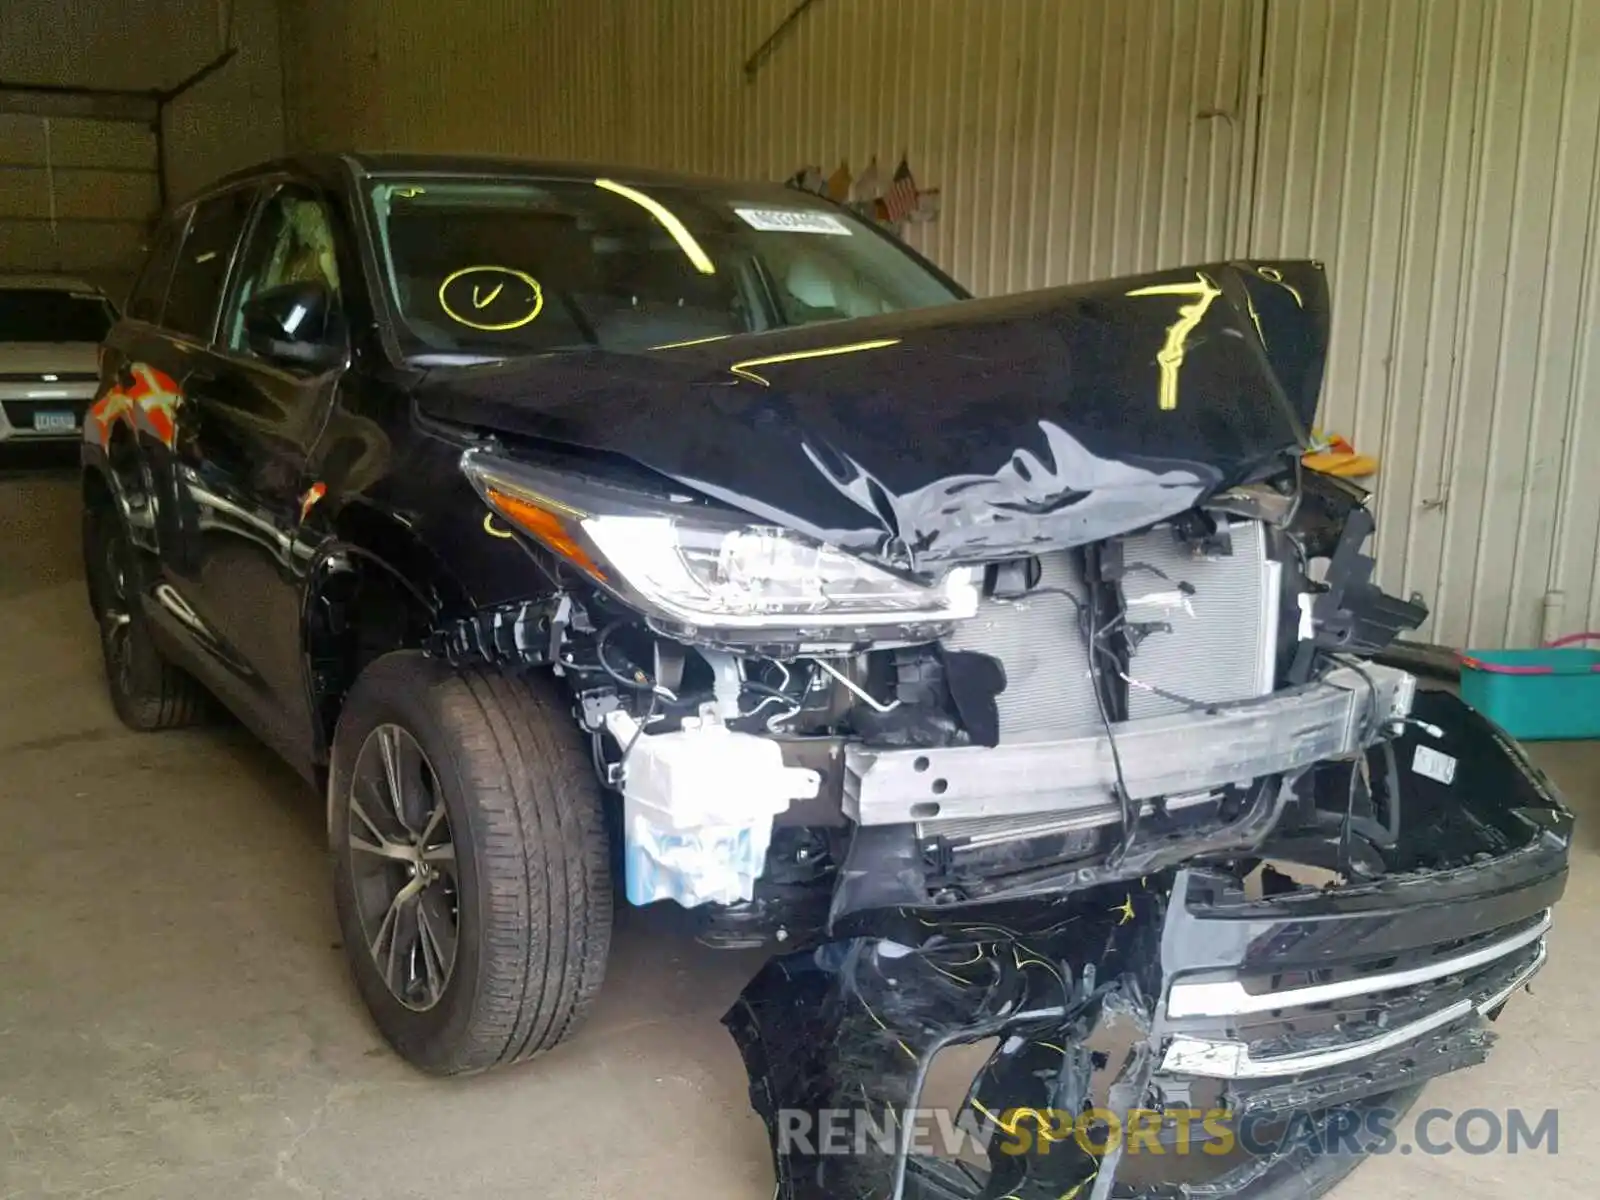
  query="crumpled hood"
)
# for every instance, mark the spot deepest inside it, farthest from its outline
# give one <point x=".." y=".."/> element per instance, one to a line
<point x="968" y="431"/>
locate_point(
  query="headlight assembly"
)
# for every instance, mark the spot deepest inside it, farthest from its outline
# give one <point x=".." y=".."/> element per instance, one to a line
<point x="701" y="567"/>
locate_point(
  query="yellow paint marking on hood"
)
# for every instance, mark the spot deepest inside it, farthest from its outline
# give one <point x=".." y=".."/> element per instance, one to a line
<point x="743" y="369"/>
<point x="1170" y="357"/>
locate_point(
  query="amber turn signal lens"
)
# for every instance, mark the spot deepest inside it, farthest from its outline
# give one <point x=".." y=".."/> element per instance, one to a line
<point x="545" y="525"/>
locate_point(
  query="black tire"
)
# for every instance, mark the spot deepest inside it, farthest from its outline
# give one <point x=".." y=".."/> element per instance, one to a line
<point x="528" y="876"/>
<point x="148" y="692"/>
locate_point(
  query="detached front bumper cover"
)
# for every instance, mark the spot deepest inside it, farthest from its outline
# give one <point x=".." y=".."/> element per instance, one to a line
<point x="1173" y="991"/>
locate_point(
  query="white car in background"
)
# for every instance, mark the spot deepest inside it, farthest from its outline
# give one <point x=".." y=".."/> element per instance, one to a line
<point x="50" y="333"/>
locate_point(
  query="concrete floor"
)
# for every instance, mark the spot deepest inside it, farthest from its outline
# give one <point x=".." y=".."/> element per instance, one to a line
<point x="176" y="1021"/>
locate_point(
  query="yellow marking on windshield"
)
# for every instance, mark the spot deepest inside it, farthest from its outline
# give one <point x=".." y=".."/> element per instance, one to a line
<point x="743" y="369"/>
<point x="680" y="232"/>
<point x="491" y="530"/>
<point x="1170" y="357"/>
<point x="534" y="289"/>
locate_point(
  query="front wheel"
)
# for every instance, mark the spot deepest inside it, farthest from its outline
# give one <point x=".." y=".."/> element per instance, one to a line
<point x="471" y="871"/>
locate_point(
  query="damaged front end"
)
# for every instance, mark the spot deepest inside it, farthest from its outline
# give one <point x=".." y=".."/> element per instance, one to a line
<point x="1082" y="764"/>
<point x="1240" y="1026"/>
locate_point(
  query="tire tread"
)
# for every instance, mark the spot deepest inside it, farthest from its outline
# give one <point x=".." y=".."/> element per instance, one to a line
<point x="541" y="851"/>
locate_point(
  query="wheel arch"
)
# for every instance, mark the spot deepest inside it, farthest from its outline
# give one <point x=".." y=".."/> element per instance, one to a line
<point x="373" y="587"/>
<point x="94" y="484"/>
<point x="108" y="466"/>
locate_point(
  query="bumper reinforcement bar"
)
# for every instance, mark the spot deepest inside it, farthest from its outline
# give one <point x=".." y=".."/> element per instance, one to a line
<point x="1235" y="743"/>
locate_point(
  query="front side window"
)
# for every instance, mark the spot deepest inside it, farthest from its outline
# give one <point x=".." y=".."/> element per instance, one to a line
<point x="202" y="268"/>
<point x="514" y="267"/>
<point x="48" y="315"/>
<point x="292" y="243"/>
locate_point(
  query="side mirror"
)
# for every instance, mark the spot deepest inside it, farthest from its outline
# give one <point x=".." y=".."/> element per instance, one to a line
<point x="294" y="323"/>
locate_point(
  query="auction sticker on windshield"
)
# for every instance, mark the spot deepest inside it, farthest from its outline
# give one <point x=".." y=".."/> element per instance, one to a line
<point x="792" y="220"/>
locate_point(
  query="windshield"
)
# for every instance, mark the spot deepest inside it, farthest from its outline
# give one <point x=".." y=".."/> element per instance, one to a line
<point x="46" y="315"/>
<point x="503" y="268"/>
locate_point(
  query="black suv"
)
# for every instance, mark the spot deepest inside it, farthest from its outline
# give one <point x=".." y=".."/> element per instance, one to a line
<point x="995" y="660"/>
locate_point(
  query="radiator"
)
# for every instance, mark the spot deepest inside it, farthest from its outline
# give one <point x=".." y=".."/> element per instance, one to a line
<point x="1220" y="644"/>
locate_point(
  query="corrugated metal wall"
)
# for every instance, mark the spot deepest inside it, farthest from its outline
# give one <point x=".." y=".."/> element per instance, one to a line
<point x="1115" y="144"/>
<point x="642" y="81"/>
<point x="234" y="118"/>
<point x="1069" y="140"/>
<point x="1440" y="156"/>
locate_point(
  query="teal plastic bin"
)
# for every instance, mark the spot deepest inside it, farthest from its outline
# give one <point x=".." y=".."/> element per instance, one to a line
<point x="1541" y="695"/>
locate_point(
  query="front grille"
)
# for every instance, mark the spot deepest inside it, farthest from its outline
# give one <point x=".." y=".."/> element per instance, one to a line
<point x="1209" y="627"/>
<point x="1336" y="1025"/>
<point x="1290" y="973"/>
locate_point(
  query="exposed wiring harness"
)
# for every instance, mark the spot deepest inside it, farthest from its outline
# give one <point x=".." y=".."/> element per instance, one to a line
<point x="639" y="681"/>
<point x="1088" y="616"/>
<point x="1096" y="639"/>
<point x="1093" y="633"/>
<point x="611" y="774"/>
<point x="1119" y="621"/>
<point x="772" y="695"/>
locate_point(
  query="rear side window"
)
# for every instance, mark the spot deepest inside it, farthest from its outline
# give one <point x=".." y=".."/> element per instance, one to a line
<point x="203" y="262"/>
<point x="44" y="315"/>
<point x="150" y="293"/>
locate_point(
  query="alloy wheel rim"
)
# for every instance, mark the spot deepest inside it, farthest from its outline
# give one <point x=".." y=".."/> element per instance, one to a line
<point x="116" y="619"/>
<point x="403" y="867"/>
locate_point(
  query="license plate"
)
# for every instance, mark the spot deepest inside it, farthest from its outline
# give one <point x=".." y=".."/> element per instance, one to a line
<point x="54" y="422"/>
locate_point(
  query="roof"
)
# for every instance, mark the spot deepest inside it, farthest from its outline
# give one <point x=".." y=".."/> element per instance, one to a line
<point x="403" y="164"/>
<point x="50" y="283"/>
<point x="331" y="166"/>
